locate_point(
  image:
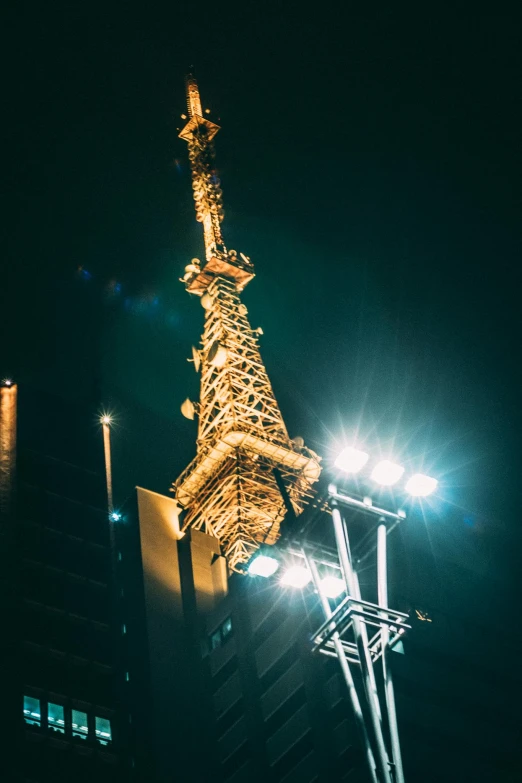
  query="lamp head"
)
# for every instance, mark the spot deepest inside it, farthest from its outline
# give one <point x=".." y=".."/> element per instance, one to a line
<point x="263" y="565"/>
<point x="387" y="473"/>
<point x="420" y="486"/>
<point x="351" y="460"/>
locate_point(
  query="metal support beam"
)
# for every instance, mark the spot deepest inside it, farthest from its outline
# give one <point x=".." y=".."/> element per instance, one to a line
<point x="346" y="671"/>
<point x="382" y="588"/>
<point x="361" y="637"/>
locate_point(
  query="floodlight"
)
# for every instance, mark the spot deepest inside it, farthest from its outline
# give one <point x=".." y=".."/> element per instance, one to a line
<point x="332" y="586"/>
<point x="351" y="460"/>
<point x="387" y="473"/>
<point x="420" y="485"/>
<point x="105" y="419"/>
<point x="263" y="565"/>
<point x="296" y="576"/>
<point x="115" y="516"/>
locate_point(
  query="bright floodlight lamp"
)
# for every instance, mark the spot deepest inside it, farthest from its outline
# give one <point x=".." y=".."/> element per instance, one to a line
<point x="296" y="576"/>
<point x="419" y="485"/>
<point x="105" y="419"/>
<point x="332" y="586"/>
<point x="7" y="382"/>
<point x="387" y="473"/>
<point x="351" y="460"/>
<point x="263" y="565"/>
<point x="115" y="516"/>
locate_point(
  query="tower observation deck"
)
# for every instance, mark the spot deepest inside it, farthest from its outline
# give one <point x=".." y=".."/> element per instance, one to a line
<point x="230" y="489"/>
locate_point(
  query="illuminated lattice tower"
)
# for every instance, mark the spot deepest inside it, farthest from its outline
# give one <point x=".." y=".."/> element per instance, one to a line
<point x="231" y="489"/>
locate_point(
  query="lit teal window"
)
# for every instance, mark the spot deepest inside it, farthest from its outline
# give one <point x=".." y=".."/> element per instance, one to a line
<point x="103" y="730"/>
<point x="32" y="711"/>
<point x="79" y="724"/>
<point x="215" y="640"/>
<point x="226" y="628"/>
<point x="220" y="635"/>
<point x="56" y="717"/>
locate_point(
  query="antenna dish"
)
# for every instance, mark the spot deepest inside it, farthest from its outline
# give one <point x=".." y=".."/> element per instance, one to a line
<point x="187" y="409"/>
<point x="217" y="354"/>
<point x="196" y="358"/>
<point x="298" y="442"/>
<point x="207" y="301"/>
<point x="242" y="309"/>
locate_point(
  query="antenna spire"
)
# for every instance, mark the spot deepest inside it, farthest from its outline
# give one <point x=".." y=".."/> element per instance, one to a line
<point x="193" y="99"/>
<point x="229" y="490"/>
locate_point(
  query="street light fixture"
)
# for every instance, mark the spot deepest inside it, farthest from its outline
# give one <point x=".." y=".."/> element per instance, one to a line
<point x="351" y="460"/>
<point x="296" y="576"/>
<point x="263" y="565"/>
<point x="387" y="473"/>
<point x="420" y="486"/>
<point x="332" y="586"/>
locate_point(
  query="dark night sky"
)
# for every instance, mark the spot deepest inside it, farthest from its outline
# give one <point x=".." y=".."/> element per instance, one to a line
<point x="371" y="166"/>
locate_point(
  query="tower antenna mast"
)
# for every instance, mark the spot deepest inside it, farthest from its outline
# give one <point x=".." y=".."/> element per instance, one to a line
<point x="230" y="489"/>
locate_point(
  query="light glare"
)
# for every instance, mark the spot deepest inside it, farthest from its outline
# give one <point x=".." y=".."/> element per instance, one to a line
<point x="263" y="565"/>
<point x="105" y="419"/>
<point x="420" y="485"/>
<point x="351" y="460"/>
<point x="387" y="473"/>
<point x="332" y="586"/>
<point x="296" y="576"/>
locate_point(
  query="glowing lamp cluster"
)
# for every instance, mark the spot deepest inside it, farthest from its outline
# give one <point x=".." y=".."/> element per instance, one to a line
<point x="295" y="576"/>
<point x="386" y="473"/>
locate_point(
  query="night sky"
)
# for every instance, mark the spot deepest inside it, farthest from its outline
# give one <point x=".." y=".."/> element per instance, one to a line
<point x="371" y="167"/>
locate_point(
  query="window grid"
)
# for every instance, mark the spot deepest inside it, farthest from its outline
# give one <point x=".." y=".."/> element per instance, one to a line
<point x="71" y="722"/>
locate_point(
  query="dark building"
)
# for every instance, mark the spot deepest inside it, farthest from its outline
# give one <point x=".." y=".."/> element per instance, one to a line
<point x="64" y="662"/>
<point x="147" y="662"/>
<point x="238" y="696"/>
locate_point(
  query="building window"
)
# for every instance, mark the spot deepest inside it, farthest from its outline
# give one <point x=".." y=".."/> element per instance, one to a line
<point x="215" y="640"/>
<point x="103" y="730"/>
<point x="79" y="724"/>
<point x="32" y="712"/>
<point x="226" y="628"/>
<point x="56" y="717"/>
<point x="218" y="637"/>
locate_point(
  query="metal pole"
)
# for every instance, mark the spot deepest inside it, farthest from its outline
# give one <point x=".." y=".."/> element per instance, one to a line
<point x="8" y="408"/>
<point x="345" y="668"/>
<point x="364" y="635"/>
<point x="342" y="541"/>
<point x="108" y="466"/>
<point x="382" y="591"/>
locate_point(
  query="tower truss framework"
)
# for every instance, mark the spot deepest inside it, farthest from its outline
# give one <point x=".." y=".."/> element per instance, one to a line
<point x="230" y="490"/>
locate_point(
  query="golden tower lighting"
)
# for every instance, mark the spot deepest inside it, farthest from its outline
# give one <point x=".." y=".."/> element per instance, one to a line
<point x="230" y="489"/>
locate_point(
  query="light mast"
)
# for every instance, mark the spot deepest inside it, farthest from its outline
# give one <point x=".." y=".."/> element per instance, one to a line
<point x="230" y="490"/>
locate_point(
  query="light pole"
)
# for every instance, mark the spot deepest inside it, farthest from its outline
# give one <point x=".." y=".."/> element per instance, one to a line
<point x="344" y="633"/>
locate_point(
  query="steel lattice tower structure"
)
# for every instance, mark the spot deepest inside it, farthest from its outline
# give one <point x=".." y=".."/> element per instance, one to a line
<point x="231" y="489"/>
